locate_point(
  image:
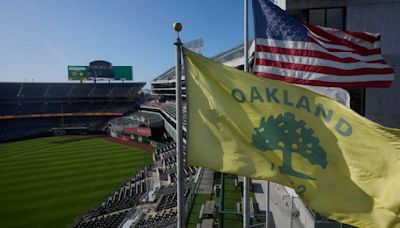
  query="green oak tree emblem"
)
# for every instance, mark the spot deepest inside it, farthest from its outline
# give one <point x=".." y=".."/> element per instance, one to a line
<point x="286" y="134"/>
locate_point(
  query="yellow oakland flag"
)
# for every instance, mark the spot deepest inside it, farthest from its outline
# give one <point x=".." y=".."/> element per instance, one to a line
<point x="343" y="165"/>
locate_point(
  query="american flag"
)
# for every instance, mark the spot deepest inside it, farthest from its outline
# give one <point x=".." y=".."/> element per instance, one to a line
<point x="299" y="53"/>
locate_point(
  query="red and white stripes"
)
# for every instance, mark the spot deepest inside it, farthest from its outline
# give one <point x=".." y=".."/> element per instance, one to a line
<point x="330" y="57"/>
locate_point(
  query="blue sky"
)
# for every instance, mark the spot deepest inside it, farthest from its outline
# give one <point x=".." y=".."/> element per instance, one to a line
<point x="40" y="38"/>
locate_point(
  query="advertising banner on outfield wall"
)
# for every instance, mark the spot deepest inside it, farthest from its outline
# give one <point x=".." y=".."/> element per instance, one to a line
<point x="84" y="73"/>
<point x="145" y="131"/>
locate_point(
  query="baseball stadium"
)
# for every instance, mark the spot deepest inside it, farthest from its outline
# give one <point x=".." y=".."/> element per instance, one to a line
<point x="99" y="151"/>
<point x="103" y="154"/>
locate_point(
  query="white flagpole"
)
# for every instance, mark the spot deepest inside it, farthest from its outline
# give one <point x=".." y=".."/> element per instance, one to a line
<point x="179" y="153"/>
<point x="246" y="180"/>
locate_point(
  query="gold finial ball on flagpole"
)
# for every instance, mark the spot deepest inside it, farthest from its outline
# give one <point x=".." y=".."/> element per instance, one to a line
<point x="177" y="26"/>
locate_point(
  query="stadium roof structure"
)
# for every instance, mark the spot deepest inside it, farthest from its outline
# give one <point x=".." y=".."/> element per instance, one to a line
<point x="230" y="54"/>
<point x="167" y="75"/>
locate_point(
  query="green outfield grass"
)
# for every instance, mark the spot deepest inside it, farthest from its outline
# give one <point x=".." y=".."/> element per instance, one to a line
<point x="48" y="182"/>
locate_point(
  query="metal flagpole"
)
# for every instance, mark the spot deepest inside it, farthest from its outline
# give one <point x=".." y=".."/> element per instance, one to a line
<point x="246" y="180"/>
<point x="267" y="218"/>
<point x="179" y="153"/>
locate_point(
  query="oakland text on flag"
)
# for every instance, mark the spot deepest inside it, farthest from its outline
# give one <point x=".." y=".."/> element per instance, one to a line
<point x="306" y="54"/>
<point x="341" y="164"/>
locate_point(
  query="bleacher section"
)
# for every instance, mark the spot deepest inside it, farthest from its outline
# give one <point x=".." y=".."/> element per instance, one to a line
<point x="123" y="90"/>
<point x="165" y="159"/>
<point x="9" y="89"/>
<point x="54" y="90"/>
<point x="105" y="221"/>
<point x="40" y="107"/>
<point x="136" y="119"/>
<point x="165" y="211"/>
<point x="32" y="90"/>
<point x="101" y="90"/>
<point x="57" y="90"/>
<point x="149" y="119"/>
<point x="82" y="90"/>
<point x="167" y="108"/>
<point x="120" y="202"/>
<point x="159" y="219"/>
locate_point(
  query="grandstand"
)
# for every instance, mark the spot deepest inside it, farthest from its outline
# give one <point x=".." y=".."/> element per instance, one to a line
<point x="45" y="107"/>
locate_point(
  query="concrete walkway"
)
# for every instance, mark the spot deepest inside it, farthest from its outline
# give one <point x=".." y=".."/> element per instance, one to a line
<point x="207" y="182"/>
<point x="281" y="206"/>
<point x="280" y="203"/>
